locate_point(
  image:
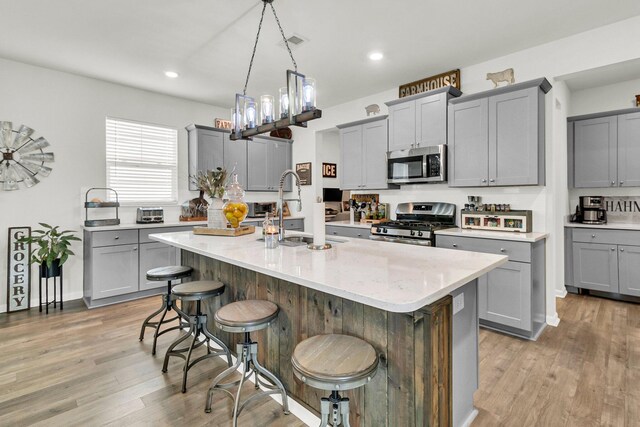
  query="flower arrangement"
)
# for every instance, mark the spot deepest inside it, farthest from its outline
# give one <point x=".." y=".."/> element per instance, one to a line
<point x="212" y="182"/>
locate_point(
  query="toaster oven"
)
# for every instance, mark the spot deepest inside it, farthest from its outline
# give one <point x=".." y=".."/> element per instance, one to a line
<point x="149" y="215"/>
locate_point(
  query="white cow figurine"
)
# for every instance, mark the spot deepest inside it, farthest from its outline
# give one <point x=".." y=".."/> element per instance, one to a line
<point x="502" y="76"/>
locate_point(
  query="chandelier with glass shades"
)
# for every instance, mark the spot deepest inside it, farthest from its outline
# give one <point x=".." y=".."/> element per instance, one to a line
<point x="297" y="101"/>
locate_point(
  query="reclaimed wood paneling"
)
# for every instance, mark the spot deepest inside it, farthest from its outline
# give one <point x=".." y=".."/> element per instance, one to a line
<point x="413" y="384"/>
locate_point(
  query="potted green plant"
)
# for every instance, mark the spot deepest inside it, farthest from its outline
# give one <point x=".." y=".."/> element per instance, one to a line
<point x="50" y="248"/>
<point x="212" y="182"/>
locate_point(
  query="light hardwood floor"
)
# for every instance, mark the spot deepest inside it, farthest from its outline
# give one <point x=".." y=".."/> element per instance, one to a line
<point x="87" y="368"/>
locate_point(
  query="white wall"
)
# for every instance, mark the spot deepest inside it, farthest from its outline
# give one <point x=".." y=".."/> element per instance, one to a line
<point x="614" y="96"/>
<point x="329" y="152"/>
<point x="550" y="204"/>
<point x="70" y="112"/>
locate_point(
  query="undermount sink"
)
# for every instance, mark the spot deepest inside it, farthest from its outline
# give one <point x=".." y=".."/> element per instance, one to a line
<point x="300" y="240"/>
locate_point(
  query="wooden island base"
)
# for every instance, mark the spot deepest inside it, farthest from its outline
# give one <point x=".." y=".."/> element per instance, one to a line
<point x="413" y="385"/>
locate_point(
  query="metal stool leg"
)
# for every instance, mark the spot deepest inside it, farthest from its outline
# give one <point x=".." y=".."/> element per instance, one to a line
<point x="147" y="322"/>
<point x="174" y="345"/>
<point x="267" y="374"/>
<point x="344" y="411"/>
<point x="245" y="366"/>
<point x="216" y="385"/>
<point x="324" y="412"/>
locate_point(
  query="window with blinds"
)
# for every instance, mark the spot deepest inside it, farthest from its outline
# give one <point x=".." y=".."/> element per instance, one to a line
<point x="142" y="162"/>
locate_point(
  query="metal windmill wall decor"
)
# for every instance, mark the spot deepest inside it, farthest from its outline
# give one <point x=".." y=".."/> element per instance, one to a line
<point x="22" y="158"/>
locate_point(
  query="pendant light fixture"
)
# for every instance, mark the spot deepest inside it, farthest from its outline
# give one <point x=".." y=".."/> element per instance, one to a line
<point x="297" y="101"/>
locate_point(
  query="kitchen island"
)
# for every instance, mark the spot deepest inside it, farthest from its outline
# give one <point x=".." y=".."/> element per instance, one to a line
<point x="397" y="297"/>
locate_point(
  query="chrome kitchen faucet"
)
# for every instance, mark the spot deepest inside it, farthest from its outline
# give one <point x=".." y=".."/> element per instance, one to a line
<point x="281" y="200"/>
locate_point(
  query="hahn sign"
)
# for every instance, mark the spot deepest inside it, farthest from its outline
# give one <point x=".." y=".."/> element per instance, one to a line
<point x="18" y="271"/>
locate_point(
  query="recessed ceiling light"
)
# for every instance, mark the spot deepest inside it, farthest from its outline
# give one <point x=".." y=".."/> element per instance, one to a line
<point x="171" y="74"/>
<point x="376" y="56"/>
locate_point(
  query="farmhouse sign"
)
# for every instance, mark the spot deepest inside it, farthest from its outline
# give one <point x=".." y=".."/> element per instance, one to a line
<point x="222" y="124"/>
<point x="18" y="271"/>
<point x="450" y="78"/>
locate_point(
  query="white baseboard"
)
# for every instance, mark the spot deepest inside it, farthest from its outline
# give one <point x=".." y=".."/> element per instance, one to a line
<point x="472" y="416"/>
<point x="34" y="301"/>
<point x="553" y="320"/>
<point x="561" y="293"/>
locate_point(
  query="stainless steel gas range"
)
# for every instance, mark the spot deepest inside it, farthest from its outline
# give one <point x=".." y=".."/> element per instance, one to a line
<point x="415" y="223"/>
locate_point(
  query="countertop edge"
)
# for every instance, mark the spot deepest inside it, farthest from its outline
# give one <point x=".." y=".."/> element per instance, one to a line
<point x="531" y="237"/>
<point x="608" y="226"/>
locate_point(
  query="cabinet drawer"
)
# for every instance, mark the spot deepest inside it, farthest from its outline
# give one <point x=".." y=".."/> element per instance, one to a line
<point x="517" y="251"/>
<point x="293" y="224"/>
<point x="614" y="237"/>
<point x="353" y="232"/>
<point x="144" y="232"/>
<point x="112" y="238"/>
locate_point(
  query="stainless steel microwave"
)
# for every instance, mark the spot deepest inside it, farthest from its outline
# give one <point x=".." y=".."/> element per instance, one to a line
<point x="417" y="165"/>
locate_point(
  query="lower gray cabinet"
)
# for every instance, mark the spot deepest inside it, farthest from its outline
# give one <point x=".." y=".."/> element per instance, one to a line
<point x="595" y="266"/>
<point x="603" y="260"/>
<point x="153" y="255"/>
<point x="511" y="298"/>
<point x="352" y="232"/>
<point x="508" y="299"/>
<point x="114" y="270"/>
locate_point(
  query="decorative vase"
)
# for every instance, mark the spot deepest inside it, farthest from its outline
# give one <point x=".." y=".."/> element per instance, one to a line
<point x="53" y="271"/>
<point x="235" y="210"/>
<point x="215" y="215"/>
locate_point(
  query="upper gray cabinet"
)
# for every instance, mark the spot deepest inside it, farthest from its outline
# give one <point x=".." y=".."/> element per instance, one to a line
<point x="205" y="149"/>
<point x="496" y="138"/>
<point x="267" y="159"/>
<point x="259" y="163"/>
<point x="604" y="149"/>
<point x="419" y="120"/>
<point x="363" y="151"/>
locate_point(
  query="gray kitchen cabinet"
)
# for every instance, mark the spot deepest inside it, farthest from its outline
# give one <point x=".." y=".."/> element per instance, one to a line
<point x="504" y="295"/>
<point x="363" y="152"/>
<point x="205" y="149"/>
<point x="352" y="232"/>
<point x="496" y="138"/>
<point x="511" y="298"/>
<point x="594" y="152"/>
<point x="267" y="159"/>
<point x="468" y="147"/>
<point x="604" y="149"/>
<point x="606" y="261"/>
<point x="419" y="120"/>
<point x="115" y="270"/>
<point x="153" y="255"/>
<point x="235" y="156"/>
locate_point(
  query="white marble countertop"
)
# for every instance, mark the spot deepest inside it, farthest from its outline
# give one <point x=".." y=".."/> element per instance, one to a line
<point x="607" y="226"/>
<point x="347" y="223"/>
<point x="131" y="226"/>
<point x="496" y="235"/>
<point x="391" y="277"/>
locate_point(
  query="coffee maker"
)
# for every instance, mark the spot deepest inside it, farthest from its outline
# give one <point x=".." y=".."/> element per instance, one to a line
<point x="593" y="210"/>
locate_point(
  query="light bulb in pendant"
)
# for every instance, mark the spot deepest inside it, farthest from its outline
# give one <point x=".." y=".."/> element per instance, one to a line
<point x="309" y="94"/>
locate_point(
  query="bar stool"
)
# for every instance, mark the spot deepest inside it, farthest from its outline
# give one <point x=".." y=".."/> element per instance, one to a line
<point x="245" y="317"/>
<point x="195" y="291"/>
<point x="169" y="273"/>
<point x="334" y="362"/>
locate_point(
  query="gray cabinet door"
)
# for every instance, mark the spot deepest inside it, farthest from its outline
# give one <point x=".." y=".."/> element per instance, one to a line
<point x="114" y="270"/>
<point x="431" y="120"/>
<point x="402" y="126"/>
<point x="210" y="149"/>
<point x="513" y="138"/>
<point x="629" y="150"/>
<point x="468" y="141"/>
<point x="374" y="151"/>
<point x="235" y="155"/>
<point x="154" y="255"/>
<point x="595" y="152"/>
<point x="258" y="173"/>
<point x="351" y="157"/>
<point x="629" y="270"/>
<point x="504" y="295"/>
<point x="278" y="161"/>
<point x="595" y="266"/>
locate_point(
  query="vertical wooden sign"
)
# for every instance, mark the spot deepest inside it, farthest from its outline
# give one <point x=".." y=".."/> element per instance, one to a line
<point x="18" y="271"/>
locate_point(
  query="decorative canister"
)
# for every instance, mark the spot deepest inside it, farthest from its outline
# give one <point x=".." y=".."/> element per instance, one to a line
<point x="235" y="209"/>
<point x="215" y="214"/>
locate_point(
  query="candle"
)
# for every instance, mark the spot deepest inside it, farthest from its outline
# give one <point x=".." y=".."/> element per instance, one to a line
<point x="318" y="224"/>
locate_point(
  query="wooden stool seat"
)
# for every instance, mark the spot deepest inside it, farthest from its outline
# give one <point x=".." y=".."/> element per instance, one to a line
<point x="331" y="362"/>
<point x="199" y="290"/>
<point x="171" y="272"/>
<point x="246" y="316"/>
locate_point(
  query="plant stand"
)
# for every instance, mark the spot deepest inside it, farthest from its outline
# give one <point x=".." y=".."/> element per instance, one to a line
<point x="55" y="273"/>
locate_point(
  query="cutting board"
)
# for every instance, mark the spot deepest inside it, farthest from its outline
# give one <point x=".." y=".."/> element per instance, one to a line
<point x="233" y="232"/>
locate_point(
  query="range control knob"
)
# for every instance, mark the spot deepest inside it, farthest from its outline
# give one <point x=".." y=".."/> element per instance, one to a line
<point x="413" y="233"/>
<point x="384" y="230"/>
<point x="419" y="233"/>
<point x="377" y="229"/>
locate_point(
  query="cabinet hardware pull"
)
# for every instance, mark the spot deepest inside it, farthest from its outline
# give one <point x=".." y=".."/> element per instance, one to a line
<point x="484" y="180"/>
<point x="613" y="183"/>
<point x="593" y="236"/>
<point x="621" y="249"/>
<point x="135" y="249"/>
<point x="621" y="182"/>
<point x="455" y="246"/>
<point x="359" y="235"/>
<point x="503" y="250"/>
<point x="613" y="249"/>
<point x="117" y="237"/>
<point x="492" y="180"/>
<point x="335" y="232"/>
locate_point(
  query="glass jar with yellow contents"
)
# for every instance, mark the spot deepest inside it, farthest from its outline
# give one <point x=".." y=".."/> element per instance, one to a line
<point x="235" y="209"/>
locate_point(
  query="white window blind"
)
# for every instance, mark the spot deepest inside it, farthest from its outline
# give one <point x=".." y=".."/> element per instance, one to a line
<point x="142" y="162"/>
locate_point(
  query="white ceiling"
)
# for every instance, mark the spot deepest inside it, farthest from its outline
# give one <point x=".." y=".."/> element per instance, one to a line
<point x="209" y="42"/>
